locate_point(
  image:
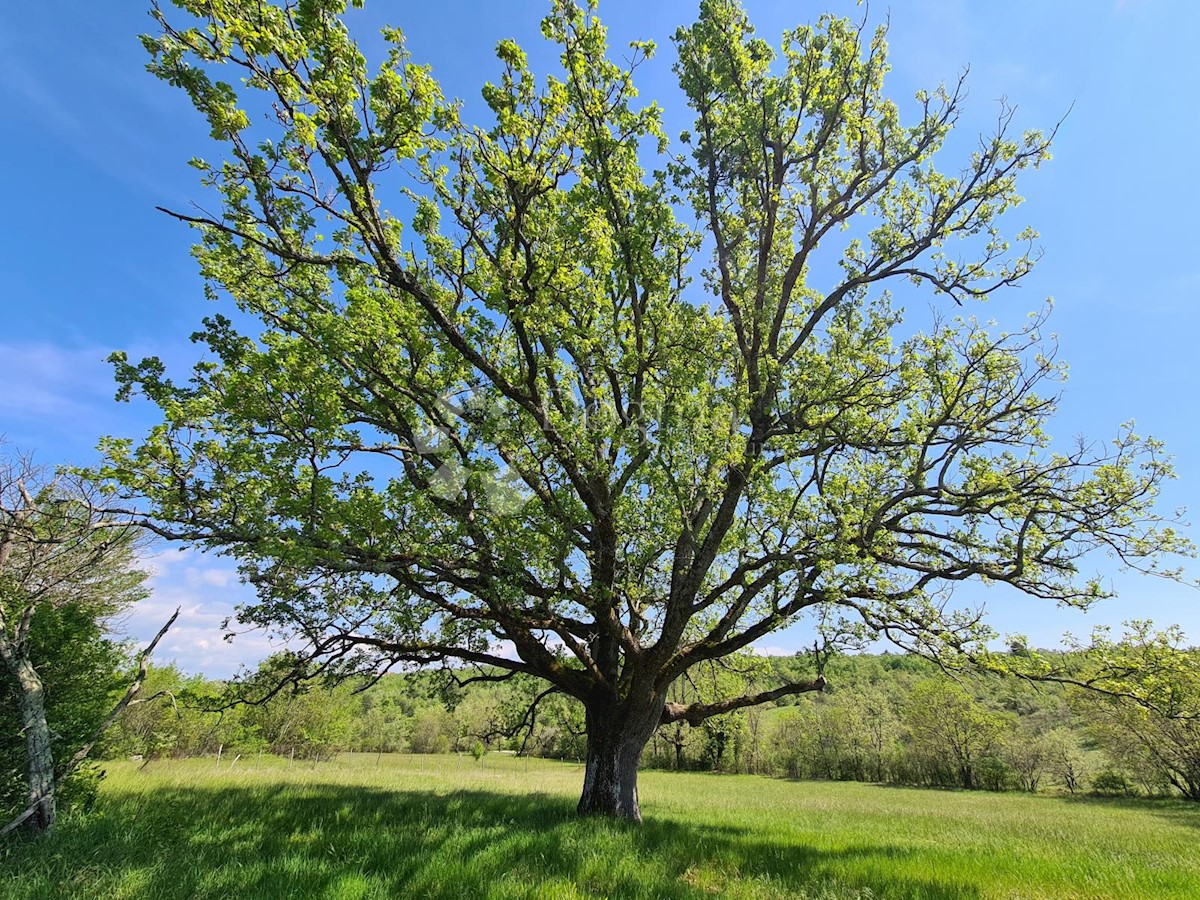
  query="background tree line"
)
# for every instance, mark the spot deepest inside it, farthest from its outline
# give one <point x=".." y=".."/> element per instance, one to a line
<point x="892" y="718"/>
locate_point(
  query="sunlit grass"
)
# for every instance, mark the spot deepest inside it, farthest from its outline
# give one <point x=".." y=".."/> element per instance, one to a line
<point x="443" y="826"/>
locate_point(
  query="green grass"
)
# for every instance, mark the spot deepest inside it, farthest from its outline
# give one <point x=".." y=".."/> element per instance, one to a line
<point x="442" y="827"/>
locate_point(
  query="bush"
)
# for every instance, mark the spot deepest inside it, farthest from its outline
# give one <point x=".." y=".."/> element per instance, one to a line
<point x="1110" y="783"/>
<point x="993" y="774"/>
<point x="80" y="790"/>
<point x="433" y="731"/>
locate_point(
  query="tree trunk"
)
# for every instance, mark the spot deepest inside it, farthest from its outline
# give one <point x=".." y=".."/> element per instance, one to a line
<point x="37" y="748"/>
<point x="616" y="737"/>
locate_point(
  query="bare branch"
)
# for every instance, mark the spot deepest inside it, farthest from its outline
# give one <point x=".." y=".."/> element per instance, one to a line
<point x="135" y="686"/>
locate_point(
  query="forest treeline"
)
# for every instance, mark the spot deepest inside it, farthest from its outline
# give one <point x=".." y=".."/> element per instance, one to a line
<point x="883" y="718"/>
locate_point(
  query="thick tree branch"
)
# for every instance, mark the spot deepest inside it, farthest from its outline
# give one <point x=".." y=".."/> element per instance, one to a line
<point x="695" y="713"/>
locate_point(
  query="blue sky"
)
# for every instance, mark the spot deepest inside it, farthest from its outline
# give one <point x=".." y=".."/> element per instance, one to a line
<point x="93" y="143"/>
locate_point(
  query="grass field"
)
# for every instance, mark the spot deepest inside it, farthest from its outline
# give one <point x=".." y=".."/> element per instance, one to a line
<point x="444" y="826"/>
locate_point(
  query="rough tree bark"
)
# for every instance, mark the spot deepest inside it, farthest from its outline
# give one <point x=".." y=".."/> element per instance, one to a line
<point x="37" y="748"/>
<point x="616" y="737"/>
<point x="618" y="731"/>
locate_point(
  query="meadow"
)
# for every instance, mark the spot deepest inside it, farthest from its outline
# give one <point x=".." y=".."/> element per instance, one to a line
<point x="366" y="826"/>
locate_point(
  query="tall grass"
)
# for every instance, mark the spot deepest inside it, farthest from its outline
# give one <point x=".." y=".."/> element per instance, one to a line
<point x="449" y="827"/>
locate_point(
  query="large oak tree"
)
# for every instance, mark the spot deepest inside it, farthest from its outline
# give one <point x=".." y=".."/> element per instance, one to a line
<point x="541" y="382"/>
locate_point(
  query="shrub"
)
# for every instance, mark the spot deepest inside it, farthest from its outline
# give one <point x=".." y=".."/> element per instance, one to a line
<point x="1111" y="783"/>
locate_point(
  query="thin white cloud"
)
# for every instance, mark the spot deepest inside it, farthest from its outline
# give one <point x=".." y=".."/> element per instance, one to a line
<point x="210" y="576"/>
<point x="166" y="560"/>
<point x="207" y="593"/>
<point x="772" y="650"/>
<point x="504" y="649"/>
<point x="44" y="380"/>
<point x="57" y="395"/>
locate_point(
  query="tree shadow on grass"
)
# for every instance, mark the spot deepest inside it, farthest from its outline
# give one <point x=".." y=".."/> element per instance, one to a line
<point x="321" y="840"/>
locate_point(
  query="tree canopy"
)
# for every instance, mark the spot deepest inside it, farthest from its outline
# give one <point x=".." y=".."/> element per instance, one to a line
<point x="551" y="382"/>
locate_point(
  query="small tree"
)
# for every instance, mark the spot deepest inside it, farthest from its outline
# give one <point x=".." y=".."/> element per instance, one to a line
<point x="951" y="731"/>
<point x="292" y="716"/>
<point x="433" y="731"/>
<point x="709" y="682"/>
<point x="881" y="727"/>
<point x="194" y="719"/>
<point x="1026" y="752"/>
<point x="1065" y="758"/>
<point x="1144" y="705"/>
<point x="489" y="403"/>
<point x="66" y="567"/>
